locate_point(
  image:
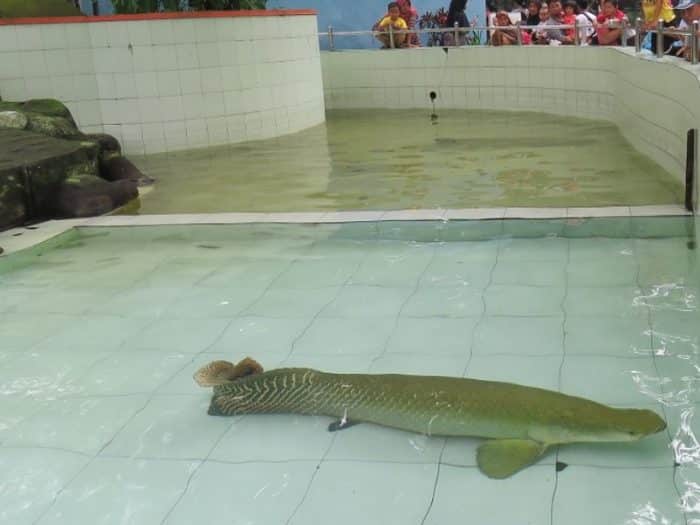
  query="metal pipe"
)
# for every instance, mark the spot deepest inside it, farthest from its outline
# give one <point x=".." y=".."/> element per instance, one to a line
<point x="623" y="36"/>
<point x="638" y="27"/>
<point x="518" y="34"/>
<point x="331" y="39"/>
<point x="659" y="38"/>
<point x="638" y="35"/>
<point x="456" y="28"/>
<point x="577" y="37"/>
<point x="690" y="166"/>
<point x="391" y="37"/>
<point x="694" y="41"/>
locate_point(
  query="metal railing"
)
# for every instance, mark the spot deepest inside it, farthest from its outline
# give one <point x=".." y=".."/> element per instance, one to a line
<point x="459" y="34"/>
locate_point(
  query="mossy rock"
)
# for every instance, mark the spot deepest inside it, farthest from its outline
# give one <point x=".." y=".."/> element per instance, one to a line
<point x="41" y="106"/>
<point x="86" y="195"/>
<point x="13" y="208"/>
<point x="13" y="119"/>
<point x="32" y="169"/>
<point x="11" y="106"/>
<point x="34" y="8"/>
<point x="57" y="127"/>
<point x="48" y="107"/>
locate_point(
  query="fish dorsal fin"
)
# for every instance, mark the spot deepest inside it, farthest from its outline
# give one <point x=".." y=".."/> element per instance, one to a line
<point x="501" y="458"/>
<point x="247" y="367"/>
<point x="222" y="372"/>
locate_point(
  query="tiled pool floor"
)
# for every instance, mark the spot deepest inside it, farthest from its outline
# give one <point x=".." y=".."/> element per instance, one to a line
<point x="101" y="422"/>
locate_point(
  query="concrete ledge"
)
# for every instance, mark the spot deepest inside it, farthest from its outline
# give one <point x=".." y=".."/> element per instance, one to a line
<point x="22" y="238"/>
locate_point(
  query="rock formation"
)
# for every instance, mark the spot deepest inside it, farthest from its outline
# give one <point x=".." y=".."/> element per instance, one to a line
<point x="49" y="169"/>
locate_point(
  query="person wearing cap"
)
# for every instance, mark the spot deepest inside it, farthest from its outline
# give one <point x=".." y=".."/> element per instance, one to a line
<point x="690" y="11"/>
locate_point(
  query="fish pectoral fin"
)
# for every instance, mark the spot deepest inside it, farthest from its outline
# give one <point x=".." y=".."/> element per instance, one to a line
<point x="341" y="424"/>
<point x="501" y="458"/>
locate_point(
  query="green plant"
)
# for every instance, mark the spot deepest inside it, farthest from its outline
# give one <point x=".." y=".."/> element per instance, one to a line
<point x="135" y="6"/>
<point x="223" y="5"/>
<point x="152" y="6"/>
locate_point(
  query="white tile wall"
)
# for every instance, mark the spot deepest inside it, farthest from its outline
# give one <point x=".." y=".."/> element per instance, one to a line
<point x="654" y="103"/>
<point x="165" y="85"/>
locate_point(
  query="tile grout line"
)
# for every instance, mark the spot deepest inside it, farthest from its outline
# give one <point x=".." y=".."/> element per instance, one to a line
<point x="482" y="317"/>
<point x="561" y="368"/>
<point x="289" y="355"/>
<point x="312" y="479"/>
<point x="236" y="419"/>
<point x="292" y="347"/>
<point x="330" y="446"/>
<point x="464" y="373"/>
<point x="435" y="484"/>
<point x="200" y="463"/>
<point x="88" y="463"/>
<point x="239" y="313"/>
<point x="312" y="460"/>
<point x="416" y="287"/>
<point x="650" y="324"/>
<point x="129" y="420"/>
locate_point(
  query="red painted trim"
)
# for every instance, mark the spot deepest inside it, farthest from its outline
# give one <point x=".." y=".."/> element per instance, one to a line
<point x="157" y="16"/>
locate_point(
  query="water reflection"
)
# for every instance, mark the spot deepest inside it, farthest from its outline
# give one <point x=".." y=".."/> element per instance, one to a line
<point x="647" y="515"/>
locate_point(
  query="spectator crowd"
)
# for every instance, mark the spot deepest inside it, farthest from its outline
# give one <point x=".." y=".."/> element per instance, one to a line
<point x="600" y="22"/>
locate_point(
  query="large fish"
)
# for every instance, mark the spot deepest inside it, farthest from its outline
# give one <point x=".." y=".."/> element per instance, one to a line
<point x="520" y="422"/>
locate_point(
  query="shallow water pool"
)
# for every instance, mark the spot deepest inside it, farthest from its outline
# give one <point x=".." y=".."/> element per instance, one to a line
<point x="100" y="333"/>
<point x="387" y="160"/>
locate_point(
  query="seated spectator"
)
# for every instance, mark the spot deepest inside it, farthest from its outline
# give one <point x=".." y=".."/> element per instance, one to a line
<point x="533" y="14"/>
<point x="410" y="16"/>
<point x="690" y="11"/>
<point x="569" y="18"/>
<point x="554" y="36"/>
<point x="506" y="34"/>
<point x="517" y="13"/>
<point x="456" y="15"/>
<point x="392" y="19"/>
<point x="538" y="35"/>
<point x="610" y="25"/>
<point x="586" y="22"/>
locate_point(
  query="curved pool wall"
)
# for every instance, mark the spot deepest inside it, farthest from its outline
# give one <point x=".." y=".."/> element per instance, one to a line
<point x="653" y="102"/>
<point x="171" y="81"/>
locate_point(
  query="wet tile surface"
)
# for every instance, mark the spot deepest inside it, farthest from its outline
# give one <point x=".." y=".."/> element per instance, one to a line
<point x="100" y="417"/>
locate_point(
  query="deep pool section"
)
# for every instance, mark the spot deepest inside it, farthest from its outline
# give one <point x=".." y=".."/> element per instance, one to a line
<point x="101" y="422"/>
<point x="388" y="160"/>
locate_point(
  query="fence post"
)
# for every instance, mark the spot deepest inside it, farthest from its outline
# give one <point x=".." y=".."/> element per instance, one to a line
<point x="625" y="28"/>
<point x="331" y="39"/>
<point x="638" y="35"/>
<point x="577" y="37"/>
<point x="456" y="28"/>
<point x="391" y="37"/>
<point x="518" y="34"/>
<point x="660" y="38"/>
<point x="695" y="27"/>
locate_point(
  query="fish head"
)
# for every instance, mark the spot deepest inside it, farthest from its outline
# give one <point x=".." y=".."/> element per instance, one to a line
<point x="634" y="424"/>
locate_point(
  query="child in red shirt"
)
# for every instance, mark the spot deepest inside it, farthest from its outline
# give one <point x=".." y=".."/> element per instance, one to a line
<point x="609" y="28"/>
<point x="569" y="18"/>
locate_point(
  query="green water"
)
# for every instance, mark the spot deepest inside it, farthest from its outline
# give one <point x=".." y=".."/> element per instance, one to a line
<point x="383" y="160"/>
